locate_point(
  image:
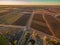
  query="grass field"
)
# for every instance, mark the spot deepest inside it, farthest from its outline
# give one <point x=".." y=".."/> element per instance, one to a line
<point x="23" y="20"/>
<point x="9" y="19"/>
<point x="3" y="40"/>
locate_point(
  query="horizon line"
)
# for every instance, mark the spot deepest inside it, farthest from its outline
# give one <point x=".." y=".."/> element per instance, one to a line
<point x="27" y="3"/>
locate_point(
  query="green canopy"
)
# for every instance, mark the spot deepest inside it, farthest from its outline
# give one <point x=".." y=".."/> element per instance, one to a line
<point x="3" y="40"/>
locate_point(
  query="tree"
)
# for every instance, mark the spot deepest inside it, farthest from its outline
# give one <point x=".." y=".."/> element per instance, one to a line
<point x="15" y="42"/>
<point x="3" y="40"/>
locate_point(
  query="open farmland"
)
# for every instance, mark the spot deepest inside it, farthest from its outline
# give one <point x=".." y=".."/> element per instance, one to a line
<point x="23" y="20"/>
<point x="54" y="10"/>
<point x="39" y="24"/>
<point x="20" y="24"/>
<point x="41" y="28"/>
<point x="10" y="16"/>
<point x="39" y="18"/>
<point x="55" y="25"/>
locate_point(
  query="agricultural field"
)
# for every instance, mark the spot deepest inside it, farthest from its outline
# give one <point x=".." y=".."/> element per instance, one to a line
<point x="55" y="25"/>
<point x="23" y="20"/>
<point x="9" y="16"/>
<point x="25" y="25"/>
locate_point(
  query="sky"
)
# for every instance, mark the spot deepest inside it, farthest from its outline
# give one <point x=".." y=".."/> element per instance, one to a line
<point x="29" y="2"/>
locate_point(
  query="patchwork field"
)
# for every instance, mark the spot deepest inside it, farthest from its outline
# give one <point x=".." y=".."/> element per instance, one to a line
<point x="10" y="16"/>
<point x="21" y="24"/>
